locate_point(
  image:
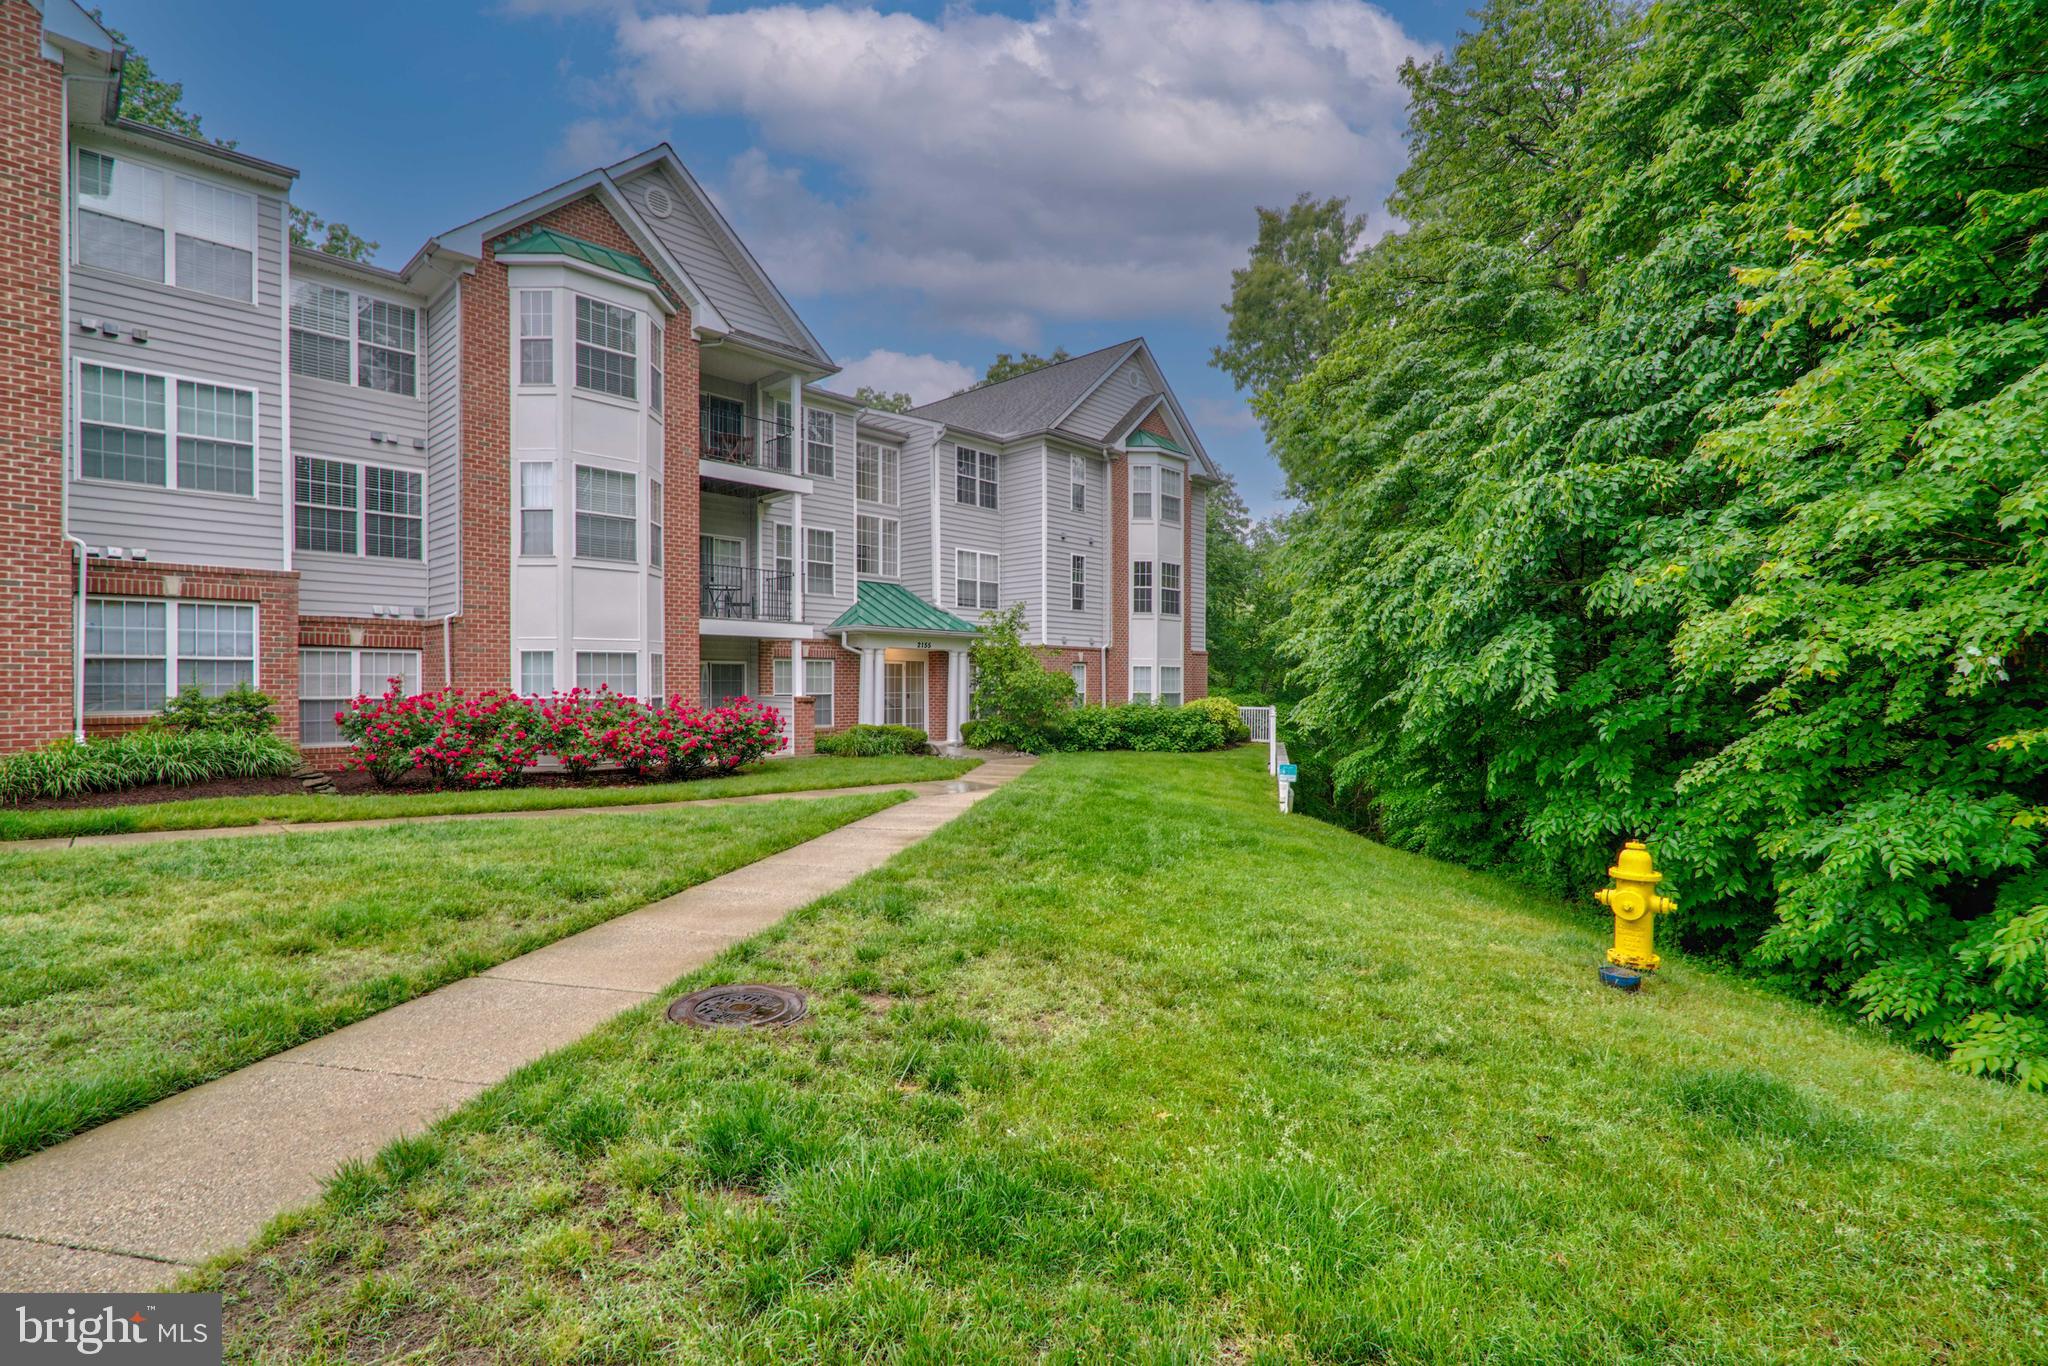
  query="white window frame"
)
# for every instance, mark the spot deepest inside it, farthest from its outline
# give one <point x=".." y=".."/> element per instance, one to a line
<point x="656" y="372"/>
<point x="1171" y="485"/>
<point x="877" y="473"/>
<point x="546" y="521"/>
<point x="831" y="562"/>
<point x="1169" y="607"/>
<point x="981" y="482"/>
<point x="170" y="432"/>
<point x="352" y="309"/>
<point x="1174" y="692"/>
<point x="358" y="685"/>
<point x="360" y="510"/>
<point x="630" y="331"/>
<point x="978" y="560"/>
<point x="536" y="323"/>
<point x="1077" y="586"/>
<point x="632" y="677"/>
<point x="533" y="659"/>
<point x="781" y="675"/>
<point x="886" y="561"/>
<point x="821" y="434"/>
<point x="1077" y="483"/>
<point x="1141" y="683"/>
<point x="1142" y="504"/>
<point x="630" y="517"/>
<point x="776" y="531"/>
<point x="1078" y="672"/>
<point x="1149" y="587"/>
<point x="896" y="690"/>
<point x="654" y="518"/>
<point x="168" y="212"/>
<point x="704" y="679"/>
<point x="173" y="610"/>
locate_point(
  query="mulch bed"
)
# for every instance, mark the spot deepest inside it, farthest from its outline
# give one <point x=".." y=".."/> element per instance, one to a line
<point x="346" y="784"/>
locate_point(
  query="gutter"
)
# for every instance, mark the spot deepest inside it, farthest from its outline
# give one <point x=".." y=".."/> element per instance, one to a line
<point x="81" y="551"/>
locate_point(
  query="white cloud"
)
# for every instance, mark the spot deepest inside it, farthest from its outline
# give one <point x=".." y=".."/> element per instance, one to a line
<point x="1099" y="159"/>
<point x="926" y="378"/>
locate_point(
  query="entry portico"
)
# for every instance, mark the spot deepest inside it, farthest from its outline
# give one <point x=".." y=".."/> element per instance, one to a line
<point x="913" y="660"/>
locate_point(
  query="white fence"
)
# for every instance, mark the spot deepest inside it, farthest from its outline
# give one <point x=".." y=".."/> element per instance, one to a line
<point x="1264" y="723"/>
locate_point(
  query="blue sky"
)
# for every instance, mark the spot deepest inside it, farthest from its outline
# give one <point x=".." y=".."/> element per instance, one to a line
<point x="929" y="184"/>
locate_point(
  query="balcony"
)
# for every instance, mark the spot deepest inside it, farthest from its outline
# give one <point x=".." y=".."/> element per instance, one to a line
<point x="755" y="443"/>
<point x="733" y="593"/>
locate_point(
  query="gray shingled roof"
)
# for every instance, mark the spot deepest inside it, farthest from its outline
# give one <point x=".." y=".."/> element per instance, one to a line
<point x="1030" y="402"/>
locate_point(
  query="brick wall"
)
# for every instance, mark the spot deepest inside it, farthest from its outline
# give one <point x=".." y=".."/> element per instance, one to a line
<point x="935" y="683"/>
<point x="803" y="727"/>
<point x="369" y="633"/>
<point x="1062" y="661"/>
<point x="1118" y="684"/>
<point x="1155" y="423"/>
<point x="37" y="572"/>
<point x="483" y="634"/>
<point x="845" y="676"/>
<point x="274" y="592"/>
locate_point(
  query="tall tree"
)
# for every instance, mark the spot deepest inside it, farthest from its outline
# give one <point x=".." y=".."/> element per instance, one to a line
<point x="883" y="401"/>
<point x="1281" y="320"/>
<point x="1006" y="366"/>
<point x="336" y="239"/>
<point x="1245" y="601"/>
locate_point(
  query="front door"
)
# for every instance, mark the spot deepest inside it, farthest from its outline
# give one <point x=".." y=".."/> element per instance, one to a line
<point x="903" y="693"/>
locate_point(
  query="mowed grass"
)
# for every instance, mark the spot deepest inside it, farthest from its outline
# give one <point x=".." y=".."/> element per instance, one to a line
<point x="1124" y="1066"/>
<point x="816" y="772"/>
<point x="130" y="973"/>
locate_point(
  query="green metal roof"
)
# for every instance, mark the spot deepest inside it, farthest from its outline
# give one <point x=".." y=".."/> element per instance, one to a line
<point x="1148" y="439"/>
<point x="548" y="242"/>
<point x="892" y="607"/>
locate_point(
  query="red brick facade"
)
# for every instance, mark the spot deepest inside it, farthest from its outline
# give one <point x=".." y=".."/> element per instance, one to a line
<point x="845" y="676"/>
<point x="368" y="633"/>
<point x="1062" y="661"/>
<point x="274" y="592"/>
<point x="38" y="573"/>
<point x="803" y="728"/>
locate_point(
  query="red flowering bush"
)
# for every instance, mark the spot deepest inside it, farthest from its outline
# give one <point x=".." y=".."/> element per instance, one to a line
<point x="452" y="739"/>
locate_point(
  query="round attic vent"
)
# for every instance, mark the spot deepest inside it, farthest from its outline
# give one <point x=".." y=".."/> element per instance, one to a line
<point x="658" y="202"/>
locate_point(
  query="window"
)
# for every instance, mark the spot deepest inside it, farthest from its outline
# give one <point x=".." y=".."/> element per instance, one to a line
<point x="387" y="347"/>
<point x="875" y="546"/>
<point x="1141" y="585"/>
<point x="724" y="680"/>
<point x="821" y="571"/>
<point x="1169" y="685"/>
<point x="338" y="506"/>
<point x="1079" y="673"/>
<point x="654" y="523"/>
<point x="817" y="684"/>
<point x="536" y="336"/>
<point x="617" y="671"/>
<point x="121" y="221"/>
<point x="130" y="665"/>
<point x="382" y="341"/>
<point x="975" y="580"/>
<point x="1141" y="682"/>
<point x="1169" y="496"/>
<point x="903" y="693"/>
<point x="606" y="518"/>
<point x="785" y="555"/>
<point x="974" y="477"/>
<point x="876" y="473"/>
<point x="1077" y="482"/>
<point x="320" y="332"/>
<point x="536" y="672"/>
<point x="1141" y="493"/>
<point x="780" y="434"/>
<point x="1169" y="589"/>
<point x="216" y="438"/>
<point x="329" y="678"/>
<point x="536" y="508"/>
<point x="604" y="348"/>
<point x="654" y="371"/>
<point x="1078" y="597"/>
<point x="818" y="443"/>
<point x="121" y="426"/>
<point x="657" y="676"/>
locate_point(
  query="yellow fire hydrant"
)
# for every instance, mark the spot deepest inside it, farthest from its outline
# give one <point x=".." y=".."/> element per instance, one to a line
<point x="1633" y="899"/>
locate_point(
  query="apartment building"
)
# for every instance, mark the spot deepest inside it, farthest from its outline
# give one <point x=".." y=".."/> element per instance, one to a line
<point x="581" y="439"/>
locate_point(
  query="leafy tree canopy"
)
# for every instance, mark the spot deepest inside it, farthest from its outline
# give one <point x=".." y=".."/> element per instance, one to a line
<point x="1006" y="366"/>
<point x="883" y="401"/>
<point x="1281" y="320"/>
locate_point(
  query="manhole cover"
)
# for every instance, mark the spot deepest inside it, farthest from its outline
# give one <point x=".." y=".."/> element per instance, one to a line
<point x="739" y="1007"/>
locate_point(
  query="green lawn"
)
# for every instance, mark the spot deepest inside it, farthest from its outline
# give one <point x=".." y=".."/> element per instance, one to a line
<point x="1124" y="1066"/>
<point x="130" y="973"/>
<point x="775" y="775"/>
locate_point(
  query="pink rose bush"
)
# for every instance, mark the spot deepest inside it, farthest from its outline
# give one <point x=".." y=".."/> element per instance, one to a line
<point x="453" y="738"/>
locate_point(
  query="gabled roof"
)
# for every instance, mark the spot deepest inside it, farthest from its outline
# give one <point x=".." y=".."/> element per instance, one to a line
<point x="1031" y="402"/>
<point x="892" y="607"/>
<point x="548" y="242"/>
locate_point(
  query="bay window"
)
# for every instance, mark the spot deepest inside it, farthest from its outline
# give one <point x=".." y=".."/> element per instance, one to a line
<point x="614" y="670"/>
<point x="1169" y="685"/>
<point x="536" y="336"/>
<point x="1169" y="589"/>
<point x="1141" y="493"/>
<point x="1169" y="496"/>
<point x="606" y="347"/>
<point x="1141" y="586"/>
<point x="536" y="507"/>
<point x="536" y="673"/>
<point x="607" y="519"/>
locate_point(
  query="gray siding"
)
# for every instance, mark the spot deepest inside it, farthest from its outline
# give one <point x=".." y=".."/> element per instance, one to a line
<point x="1022" y="504"/>
<point x="970" y="528"/>
<point x="915" y="508"/>
<point x="828" y="507"/>
<point x="1104" y="408"/>
<point x="689" y="237"/>
<point x="1084" y="533"/>
<point x="198" y="337"/>
<point x="443" y="370"/>
<point x="1198" y="567"/>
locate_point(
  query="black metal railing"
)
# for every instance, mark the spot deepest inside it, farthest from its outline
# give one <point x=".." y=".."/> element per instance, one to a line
<point x="729" y="593"/>
<point x="762" y="443"/>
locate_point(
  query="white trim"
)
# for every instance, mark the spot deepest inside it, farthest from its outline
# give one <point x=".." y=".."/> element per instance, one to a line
<point x="361" y="509"/>
<point x="996" y="556"/>
<point x="171" y="607"/>
<point x="167" y="205"/>
<point x="883" y="569"/>
<point x="171" y="380"/>
<point x="355" y="676"/>
<point x="355" y="342"/>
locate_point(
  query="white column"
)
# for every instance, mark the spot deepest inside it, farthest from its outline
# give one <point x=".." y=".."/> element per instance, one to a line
<point x="796" y="557"/>
<point x="870" y="686"/>
<point x="796" y="668"/>
<point x="956" y="694"/>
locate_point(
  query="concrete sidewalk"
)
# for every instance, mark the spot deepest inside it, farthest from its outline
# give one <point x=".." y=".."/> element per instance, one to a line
<point x="130" y="1205"/>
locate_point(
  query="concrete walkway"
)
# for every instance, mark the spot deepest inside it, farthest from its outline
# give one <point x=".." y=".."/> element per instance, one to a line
<point x="130" y="1205"/>
<point x="923" y="788"/>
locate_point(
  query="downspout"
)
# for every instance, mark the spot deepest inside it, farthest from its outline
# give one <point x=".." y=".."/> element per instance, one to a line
<point x="80" y="552"/>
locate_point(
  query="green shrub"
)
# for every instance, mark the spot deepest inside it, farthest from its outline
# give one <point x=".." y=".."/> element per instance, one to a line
<point x="1144" y="726"/>
<point x="868" y="742"/>
<point x="140" y="758"/>
<point x="1224" y="712"/>
<point x="239" y="709"/>
<point x="1017" y="700"/>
